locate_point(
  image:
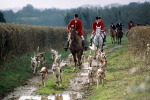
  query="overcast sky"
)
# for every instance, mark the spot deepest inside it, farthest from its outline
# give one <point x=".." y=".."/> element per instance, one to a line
<point x="62" y="4"/>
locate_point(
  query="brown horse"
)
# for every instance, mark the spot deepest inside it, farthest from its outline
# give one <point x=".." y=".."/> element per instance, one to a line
<point x="112" y="34"/>
<point x="75" y="46"/>
<point x="119" y="35"/>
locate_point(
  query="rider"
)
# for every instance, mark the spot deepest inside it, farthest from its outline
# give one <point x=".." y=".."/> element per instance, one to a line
<point x="94" y="24"/>
<point x="130" y="25"/>
<point x="113" y="26"/>
<point x="119" y="24"/>
<point x="102" y="30"/>
<point x="97" y="23"/>
<point x="78" y="27"/>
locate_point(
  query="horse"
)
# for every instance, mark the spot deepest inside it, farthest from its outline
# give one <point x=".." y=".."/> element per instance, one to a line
<point x="97" y="42"/>
<point x="119" y="35"/>
<point x="75" y="46"/>
<point x="112" y="34"/>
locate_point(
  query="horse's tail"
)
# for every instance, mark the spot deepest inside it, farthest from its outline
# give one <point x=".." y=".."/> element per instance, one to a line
<point x="92" y="47"/>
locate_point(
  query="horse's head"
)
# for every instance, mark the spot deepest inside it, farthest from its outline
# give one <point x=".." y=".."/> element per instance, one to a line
<point x="72" y="31"/>
<point x="98" y="31"/>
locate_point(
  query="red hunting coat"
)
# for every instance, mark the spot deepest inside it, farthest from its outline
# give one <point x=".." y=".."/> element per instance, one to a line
<point x="78" y="26"/>
<point x="130" y="26"/>
<point x="98" y="25"/>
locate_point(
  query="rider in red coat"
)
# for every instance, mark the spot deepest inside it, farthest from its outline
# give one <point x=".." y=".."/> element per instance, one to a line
<point x="97" y="23"/>
<point x="94" y="24"/>
<point x="130" y="25"/>
<point x="78" y="27"/>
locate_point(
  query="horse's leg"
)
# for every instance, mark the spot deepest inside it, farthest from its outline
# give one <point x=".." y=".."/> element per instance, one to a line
<point x="79" y="59"/>
<point x="114" y="39"/>
<point x="111" y="39"/>
<point x="120" y="40"/>
<point x="75" y="61"/>
<point x="102" y="48"/>
<point x="94" y="52"/>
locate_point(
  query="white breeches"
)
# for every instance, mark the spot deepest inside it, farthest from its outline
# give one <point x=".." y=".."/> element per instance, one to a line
<point x="92" y="36"/>
<point x="104" y="33"/>
<point x="82" y="37"/>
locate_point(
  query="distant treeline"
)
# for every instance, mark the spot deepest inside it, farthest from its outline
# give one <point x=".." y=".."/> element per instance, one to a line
<point x="139" y="13"/>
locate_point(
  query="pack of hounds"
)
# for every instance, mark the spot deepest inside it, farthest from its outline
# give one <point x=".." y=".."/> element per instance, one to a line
<point x="39" y="61"/>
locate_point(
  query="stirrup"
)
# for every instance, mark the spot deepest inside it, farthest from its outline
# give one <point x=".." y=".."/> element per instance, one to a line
<point x="85" y="48"/>
<point x="66" y="49"/>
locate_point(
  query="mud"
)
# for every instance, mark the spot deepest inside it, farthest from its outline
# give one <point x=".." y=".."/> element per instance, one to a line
<point x="78" y="88"/>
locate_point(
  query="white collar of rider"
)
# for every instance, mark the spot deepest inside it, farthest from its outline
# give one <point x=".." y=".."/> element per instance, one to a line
<point x="75" y="21"/>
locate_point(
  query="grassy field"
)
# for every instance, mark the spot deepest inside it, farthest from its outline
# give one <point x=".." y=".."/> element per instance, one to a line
<point x="127" y="77"/>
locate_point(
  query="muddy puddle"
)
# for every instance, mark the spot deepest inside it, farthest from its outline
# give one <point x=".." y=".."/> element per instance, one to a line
<point x="78" y="88"/>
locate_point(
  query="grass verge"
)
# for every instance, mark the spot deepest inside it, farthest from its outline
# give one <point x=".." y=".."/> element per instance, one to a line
<point x="127" y="78"/>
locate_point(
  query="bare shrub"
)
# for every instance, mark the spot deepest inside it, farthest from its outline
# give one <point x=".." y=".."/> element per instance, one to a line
<point x="138" y="38"/>
<point x="16" y="39"/>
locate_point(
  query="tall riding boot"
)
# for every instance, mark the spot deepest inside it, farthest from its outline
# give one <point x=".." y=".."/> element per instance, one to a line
<point x="66" y="48"/>
<point x="104" y="38"/>
<point x="84" y="45"/>
<point x="91" y="43"/>
<point x="103" y="42"/>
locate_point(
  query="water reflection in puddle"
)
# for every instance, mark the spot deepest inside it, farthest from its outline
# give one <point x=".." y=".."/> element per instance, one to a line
<point x="30" y="98"/>
<point x="64" y="96"/>
<point x="83" y="74"/>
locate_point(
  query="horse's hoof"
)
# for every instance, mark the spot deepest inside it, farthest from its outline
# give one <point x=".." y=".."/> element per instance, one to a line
<point x="79" y="67"/>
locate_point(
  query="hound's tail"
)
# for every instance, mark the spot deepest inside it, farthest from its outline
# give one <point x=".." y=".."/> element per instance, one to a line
<point x="92" y="47"/>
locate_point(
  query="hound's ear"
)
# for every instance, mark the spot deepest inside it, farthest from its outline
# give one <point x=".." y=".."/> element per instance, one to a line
<point x="101" y="60"/>
<point x="40" y="72"/>
<point x="106" y="54"/>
